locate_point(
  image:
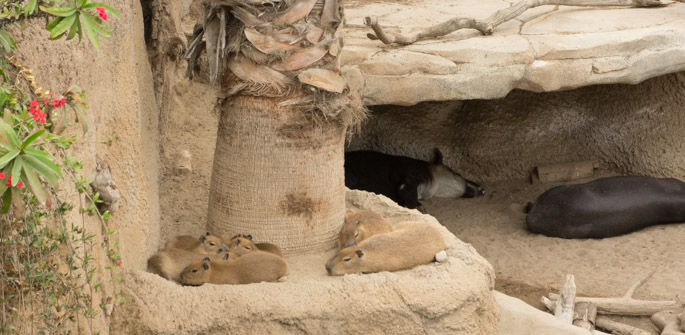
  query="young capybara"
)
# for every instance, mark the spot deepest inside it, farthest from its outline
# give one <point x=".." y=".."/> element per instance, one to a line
<point x="411" y="244"/>
<point x="207" y="244"/>
<point x="242" y="244"/>
<point x="360" y="226"/>
<point x="170" y="262"/>
<point x="252" y="267"/>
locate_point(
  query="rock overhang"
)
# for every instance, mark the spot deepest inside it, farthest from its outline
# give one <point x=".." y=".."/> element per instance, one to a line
<point x="547" y="48"/>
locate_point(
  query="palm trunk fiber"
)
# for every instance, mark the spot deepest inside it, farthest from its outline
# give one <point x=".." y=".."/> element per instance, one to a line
<point x="277" y="175"/>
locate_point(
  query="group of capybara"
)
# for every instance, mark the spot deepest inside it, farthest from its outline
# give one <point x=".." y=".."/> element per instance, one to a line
<point x="367" y="243"/>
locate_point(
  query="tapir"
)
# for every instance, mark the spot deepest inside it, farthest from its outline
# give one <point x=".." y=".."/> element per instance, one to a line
<point x="406" y="180"/>
<point x="607" y="207"/>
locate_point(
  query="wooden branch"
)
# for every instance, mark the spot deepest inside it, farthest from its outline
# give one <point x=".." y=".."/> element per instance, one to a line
<point x="667" y="322"/>
<point x="626" y="305"/>
<point x="487" y="26"/>
<point x="585" y="315"/>
<point x="563" y="308"/>
<point x="614" y="327"/>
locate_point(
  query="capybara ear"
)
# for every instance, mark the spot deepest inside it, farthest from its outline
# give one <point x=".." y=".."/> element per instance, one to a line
<point x="220" y="250"/>
<point x="237" y="242"/>
<point x="249" y="237"/>
<point x="226" y="256"/>
<point x="205" y="265"/>
<point x="360" y="253"/>
<point x="206" y="259"/>
<point x="203" y="238"/>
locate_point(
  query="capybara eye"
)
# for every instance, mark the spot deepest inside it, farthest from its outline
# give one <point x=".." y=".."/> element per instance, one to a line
<point x="347" y="259"/>
<point x="194" y="270"/>
<point x="212" y="243"/>
<point x="247" y="248"/>
<point x="356" y="235"/>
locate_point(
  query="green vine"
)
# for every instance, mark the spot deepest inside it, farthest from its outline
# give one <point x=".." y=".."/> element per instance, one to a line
<point x="51" y="269"/>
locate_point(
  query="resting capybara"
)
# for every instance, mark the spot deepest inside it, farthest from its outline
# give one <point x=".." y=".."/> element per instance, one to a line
<point x="252" y="267"/>
<point x="170" y="262"/>
<point x="242" y="244"/>
<point x="411" y="244"/>
<point x="206" y="244"/>
<point x="360" y="226"/>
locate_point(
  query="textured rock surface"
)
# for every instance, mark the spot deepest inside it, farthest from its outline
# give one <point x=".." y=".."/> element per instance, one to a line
<point x="453" y="297"/>
<point x="547" y="48"/>
<point x="629" y="129"/>
<point x="519" y="318"/>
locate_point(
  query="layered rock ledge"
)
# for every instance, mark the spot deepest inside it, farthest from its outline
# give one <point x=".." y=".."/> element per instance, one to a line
<point x="453" y="297"/>
<point x="547" y="48"/>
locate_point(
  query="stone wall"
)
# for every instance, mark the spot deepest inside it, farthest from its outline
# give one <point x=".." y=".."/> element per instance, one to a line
<point x="629" y="129"/>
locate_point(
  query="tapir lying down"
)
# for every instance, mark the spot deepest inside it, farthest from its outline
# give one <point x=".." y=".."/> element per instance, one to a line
<point x="607" y="207"/>
<point x="406" y="180"/>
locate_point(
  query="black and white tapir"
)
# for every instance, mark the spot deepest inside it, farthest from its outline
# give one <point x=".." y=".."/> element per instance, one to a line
<point x="406" y="180"/>
<point x="607" y="207"/>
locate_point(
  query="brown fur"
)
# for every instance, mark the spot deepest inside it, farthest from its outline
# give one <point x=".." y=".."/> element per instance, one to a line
<point x="206" y="244"/>
<point x="413" y="243"/>
<point x="170" y="262"/>
<point x="270" y="247"/>
<point x="360" y="226"/>
<point x="252" y="267"/>
<point x="242" y="244"/>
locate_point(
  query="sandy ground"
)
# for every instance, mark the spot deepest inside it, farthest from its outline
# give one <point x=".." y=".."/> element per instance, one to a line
<point x="529" y="265"/>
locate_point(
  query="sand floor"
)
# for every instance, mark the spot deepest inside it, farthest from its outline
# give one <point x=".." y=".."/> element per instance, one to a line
<point x="529" y="265"/>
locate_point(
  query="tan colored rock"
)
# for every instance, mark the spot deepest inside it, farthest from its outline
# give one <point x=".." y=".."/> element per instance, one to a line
<point x="544" y="49"/>
<point x="452" y="297"/>
<point x="519" y="318"/>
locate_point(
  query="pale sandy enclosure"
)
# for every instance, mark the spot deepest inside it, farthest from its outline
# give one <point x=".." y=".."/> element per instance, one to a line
<point x="629" y="129"/>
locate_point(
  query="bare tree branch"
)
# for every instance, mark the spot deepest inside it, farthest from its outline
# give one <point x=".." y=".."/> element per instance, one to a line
<point x="487" y="26"/>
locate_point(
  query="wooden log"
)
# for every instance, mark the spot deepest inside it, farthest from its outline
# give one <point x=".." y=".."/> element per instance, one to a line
<point x="585" y="315"/>
<point x="564" y="306"/>
<point x="614" y="327"/>
<point x="626" y="305"/>
<point x="487" y="26"/>
<point x="667" y="322"/>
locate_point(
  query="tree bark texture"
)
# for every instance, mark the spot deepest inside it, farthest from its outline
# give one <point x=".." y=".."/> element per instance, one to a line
<point x="277" y="175"/>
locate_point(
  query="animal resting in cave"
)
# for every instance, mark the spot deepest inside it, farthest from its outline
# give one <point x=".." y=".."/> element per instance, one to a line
<point x="406" y="180"/>
<point x="607" y="207"/>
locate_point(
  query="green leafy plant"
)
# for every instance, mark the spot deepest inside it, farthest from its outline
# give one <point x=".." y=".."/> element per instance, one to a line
<point x="76" y="17"/>
<point x="49" y="270"/>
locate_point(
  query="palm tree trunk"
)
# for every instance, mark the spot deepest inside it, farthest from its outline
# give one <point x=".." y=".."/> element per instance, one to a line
<point x="277" y="175"/>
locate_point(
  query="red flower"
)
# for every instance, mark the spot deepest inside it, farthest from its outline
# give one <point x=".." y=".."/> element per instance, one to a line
<point x="34" y="103"/>
<point x="2" y="175"/>
<point x="52" y="94"/>
<point x="56" y="103"/>
<point x="45" y="102"/>
<point x="119" y="263"/>
<point x="9" y="181"/>
<point x="62" y="102"/>
<point x="102" y="13"/>
<point x="19" y="185"/>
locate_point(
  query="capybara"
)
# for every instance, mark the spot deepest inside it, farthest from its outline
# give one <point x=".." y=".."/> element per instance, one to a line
<point x="252" y="267"/>
<point x="359" y="226"/>
<point x="411" y="244"/>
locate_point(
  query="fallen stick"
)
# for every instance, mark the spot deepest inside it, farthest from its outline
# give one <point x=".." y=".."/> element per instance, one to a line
<point x="585" y="315"/>
<point x="563" y="308"/>
<point x="667" y="322"/>
<point x="487" y="26"/>
<point x="626" y="305"/>
<point x="614" y="327"/>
